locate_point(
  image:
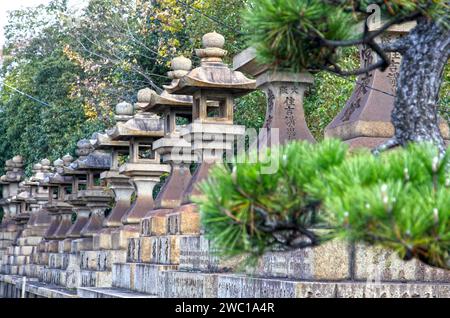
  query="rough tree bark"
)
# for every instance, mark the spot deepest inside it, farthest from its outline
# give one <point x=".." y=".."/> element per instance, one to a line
<point x="425" y="52"/>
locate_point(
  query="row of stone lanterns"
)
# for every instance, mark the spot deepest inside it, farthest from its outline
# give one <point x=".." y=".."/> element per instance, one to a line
<point x="92" y="221"/>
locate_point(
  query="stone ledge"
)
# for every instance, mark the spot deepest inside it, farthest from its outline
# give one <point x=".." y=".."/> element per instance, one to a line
<point x="84" y="292"/>
<point x="38" y="288"/>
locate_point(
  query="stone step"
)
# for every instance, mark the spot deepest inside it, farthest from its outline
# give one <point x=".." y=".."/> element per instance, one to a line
<point x="139" y="277"/>
<point x="34" y="289"/>
<point x="154" y="249"/>
<point x="85" y="292"/>
<point x="101" y="260"/>
<point x="337" y="260"/>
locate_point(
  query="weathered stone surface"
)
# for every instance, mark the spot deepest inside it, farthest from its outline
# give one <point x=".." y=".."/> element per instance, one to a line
<point x="101" y="260"/>
<point x="86" y="292"/>
<point x="147" y="277"/>
<point x="234" y="286"/>
<point x="96" y="278"/>
<point x="58" y="261"/>
<point x="196" y="254"/>
<point x="378" y="264"/>
<point x="123" y="275"/>
<point x="174" y="284"/>
<point x="184" y="221"/>
<point x="120" y="237"/>
<point x="155" y="249"/>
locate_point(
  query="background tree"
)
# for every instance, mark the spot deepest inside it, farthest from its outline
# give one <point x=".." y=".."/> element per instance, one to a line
<point x="83" y="63"/>
<point x="307" y="34"/>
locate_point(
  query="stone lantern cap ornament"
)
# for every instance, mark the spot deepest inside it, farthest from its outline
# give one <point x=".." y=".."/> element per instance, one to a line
<point x="140" y="125"/>
<point x="212" y="81"/>
<point x="96" y="159"/>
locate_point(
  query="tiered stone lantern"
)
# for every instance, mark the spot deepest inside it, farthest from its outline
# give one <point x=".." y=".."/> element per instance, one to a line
<point x="10" y="188"/>
<point x="143" y="166"/>
<point x="285" y="116"/>
<point x="39" y="218"/>
<point x="118" y="183"/>
<point x="60" y="214"/>
<point x="31" y="198"/>
<point x="23" y="208"/>
<point x="94" y="195"/>
<point x="176" y="111"/>
<point x="212" y="132"/>
<point x="11" y="180"/>
<point x="365" y="121"/>
<point x="59" y="209"/>
<point x="79" y="183"/>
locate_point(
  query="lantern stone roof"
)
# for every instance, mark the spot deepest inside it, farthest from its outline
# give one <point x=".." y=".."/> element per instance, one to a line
<point x="90" y="158"/>
<point x="180" y="67"/>
<point x="212" y="74"/>
<point x="14" y="171"/>
<point x="40" y="170"/>
<point x="103" y="141"/>
<point x="142" y="125"/>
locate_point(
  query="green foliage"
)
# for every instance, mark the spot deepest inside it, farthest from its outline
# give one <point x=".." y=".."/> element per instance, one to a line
<point x="287" y="33"/>
<point x="250" y="110"/>
<point x="329" y="93"/>
<point x="239" y="204"/>
<point x="399" y="200"/>
<point x="281" y="31"/>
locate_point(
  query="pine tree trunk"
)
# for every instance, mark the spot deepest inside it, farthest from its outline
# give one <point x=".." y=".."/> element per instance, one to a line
<point x="425" y="53"/>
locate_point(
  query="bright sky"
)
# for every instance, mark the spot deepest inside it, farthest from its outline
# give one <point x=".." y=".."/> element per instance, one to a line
<point x="6" y="5"/>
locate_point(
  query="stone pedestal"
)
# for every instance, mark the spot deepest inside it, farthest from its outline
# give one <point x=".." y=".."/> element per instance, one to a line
<point x="285" y="118"/>
<point x="144" y="178"/>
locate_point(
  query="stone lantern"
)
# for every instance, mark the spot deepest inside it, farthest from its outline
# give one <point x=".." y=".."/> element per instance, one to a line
<point x="285" y="116"/>
<point x="40" y="217"/>
<point x="365" y="121"/>
<point x="118" y="183"/>
<point x="214" y="86"/>
<point x="79" y="183"/>
<point x="32" y="196"/>
<point x="13" y="176"/>
<point x="94" y="194"/>
<point x="143" y="166"/>
<point x="59" y="209"/>
<point x="23" y="208"/>
<point x="176" y="151"/>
